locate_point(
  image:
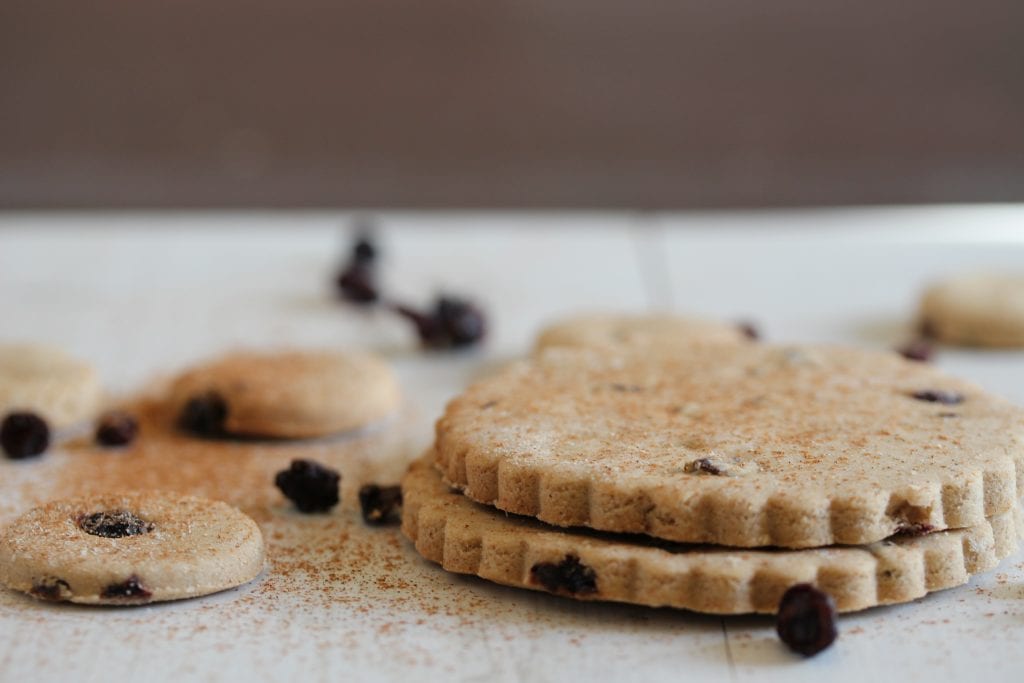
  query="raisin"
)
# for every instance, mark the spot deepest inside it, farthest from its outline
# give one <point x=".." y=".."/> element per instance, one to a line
<point x="116" y="428"/>
<point x="131" y="589"/>
<point x="50" y="589"/>
<point x="702" y="466"/>
<point x="806" y="621"/>
<point x="24" y="435"/>
<point x="464" y="322"/>
<point x="914" y="529"/>
<point x="204" y="415"/>
<point x="920" y="350"/>
<point x="946" y="398"/>
<point x="310" y="485"/>
<point x="452" y="323"/>
<point x="114" y="524"/>
<point x="569" y="576"/>
<point x="356" y="283"/>
<point x="748" y="330"/>
<point x="380" y="504"/>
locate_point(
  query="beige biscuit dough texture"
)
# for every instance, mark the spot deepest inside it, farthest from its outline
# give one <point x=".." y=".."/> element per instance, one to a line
<point x="294" y="394"/>
<point x="47" y="381"/>
<point x="615" y="330"/>
<point x="469" y="538"/>
<point x="979" y="309"/>
<point x="746" y="446"/>
<point x="194" y="547"/>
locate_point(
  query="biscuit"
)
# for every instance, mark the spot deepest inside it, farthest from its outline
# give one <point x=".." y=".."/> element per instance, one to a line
<point x="469" y="538"/>
<point x="46" y="381"/>
<point x="129" y="549"/>
<point x="293" y="394"/>
<point x="616" y="330"/>
<point x="746" y="446"/>
<point x="975" y="310"/>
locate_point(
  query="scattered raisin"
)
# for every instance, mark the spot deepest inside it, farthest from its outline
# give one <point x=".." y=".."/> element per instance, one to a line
<point x="116" y="428"/>
<point x="114" y="524"/>
<point x="806" y="621"/>
<point x="24" y="435"/>
<point x="920" y="350"/>
<point x="204" y="415"/>
<point x="380" y="503"/>
<point x="310" y="485"/>
<point x="131" y="588"/>
<point x="453" y="323"/>
<point x="749" y="330"/>
<point x="946" y="398"/>
<point x="51" y="589"/>
<point x="570" y="576"/>
<point x="357" y="281"/>
<point x="463" y="321"/>
<point x="702" y="466"/>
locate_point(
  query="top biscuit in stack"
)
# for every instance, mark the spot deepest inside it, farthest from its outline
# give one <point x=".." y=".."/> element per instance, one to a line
<point x="738" y="445"/>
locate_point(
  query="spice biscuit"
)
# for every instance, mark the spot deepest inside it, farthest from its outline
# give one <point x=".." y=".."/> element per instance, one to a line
<point x="289" y="394"/>
<point x="612" y="331"/>
<point x="130" y="549"/>
<point x="981" y="309"/>
<point x="745" y="446"/>
<point x="48" y="382"/>
<point x="468" y="538"/>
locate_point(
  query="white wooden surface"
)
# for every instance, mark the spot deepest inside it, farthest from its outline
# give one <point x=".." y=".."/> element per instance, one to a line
<point x="143" y="294"/>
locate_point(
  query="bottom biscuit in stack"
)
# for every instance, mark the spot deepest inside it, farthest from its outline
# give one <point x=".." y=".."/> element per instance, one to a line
<point x="469" y="538"/>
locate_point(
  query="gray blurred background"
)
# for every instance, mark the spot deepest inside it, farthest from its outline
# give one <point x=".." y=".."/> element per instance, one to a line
<point x="510" y="103"/>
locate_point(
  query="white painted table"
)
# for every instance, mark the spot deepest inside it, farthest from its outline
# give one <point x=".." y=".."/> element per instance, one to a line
<point x="141" y="295"/>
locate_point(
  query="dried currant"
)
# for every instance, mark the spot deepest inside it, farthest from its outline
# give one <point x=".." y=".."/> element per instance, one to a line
<point x="310" y="485"/>
<point x="357" y="281"/>
<point x="806" y="621"/>
<point x="51" y="589"/>
<point x="920" y="350"/>
<point x="946" y="398"/>
<point x="116" y="428"/>
<point x="702" y="466"/>
<point x="452" y="323"/>
<point x="24" y="435"/>
<point x="380" y="504"/>
<point x="204" y="415"/>
<point x="748" y="330"/>
<point x="569" y="576"/>
<point x="114" y="524"/>
<point x="131" y="589"/>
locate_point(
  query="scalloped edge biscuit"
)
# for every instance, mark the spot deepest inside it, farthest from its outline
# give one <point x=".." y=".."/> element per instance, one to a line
<point x="815" y="445"/>
<point x="978" y="309"/>
<point x="468" y="538"/>
<point x="47" y="381"/>
<point x="196" y="547"/>
<point x="294" y="394"/>
<point x="616" y="330"/>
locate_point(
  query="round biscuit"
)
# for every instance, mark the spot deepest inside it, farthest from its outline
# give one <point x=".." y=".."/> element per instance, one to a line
<point x="746" y="446"/>
<point x="45" y="380"/>
<point x="981" y="309"/>
<point x="615" y="330"/>
<point x="193" y="547"/>
<point x="293" y="394"/>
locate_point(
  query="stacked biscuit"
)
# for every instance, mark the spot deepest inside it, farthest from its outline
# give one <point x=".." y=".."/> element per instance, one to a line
<point x="666" y="462"/>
